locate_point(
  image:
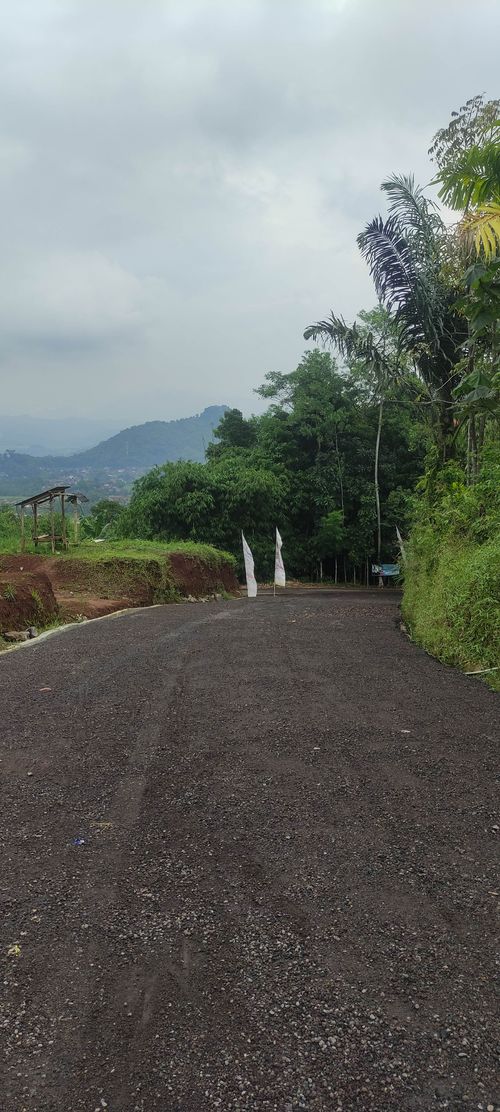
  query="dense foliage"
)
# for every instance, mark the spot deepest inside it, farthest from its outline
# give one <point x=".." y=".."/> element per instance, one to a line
<point x="310" y="455"/>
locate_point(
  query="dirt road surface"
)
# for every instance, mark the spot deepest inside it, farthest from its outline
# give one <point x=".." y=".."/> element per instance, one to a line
<point x="248" y="862"/>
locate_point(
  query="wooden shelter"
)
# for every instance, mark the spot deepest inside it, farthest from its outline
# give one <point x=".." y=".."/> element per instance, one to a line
<point x="46" y="498"/>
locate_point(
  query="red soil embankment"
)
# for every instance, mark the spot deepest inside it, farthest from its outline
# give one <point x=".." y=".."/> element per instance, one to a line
<point x="92" y="588"/>
<point x="26" y="599"/>
<point x="194" y="577"/>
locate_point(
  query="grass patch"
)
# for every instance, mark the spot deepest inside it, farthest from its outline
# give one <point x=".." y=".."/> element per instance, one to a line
<point x="152" y="550"/>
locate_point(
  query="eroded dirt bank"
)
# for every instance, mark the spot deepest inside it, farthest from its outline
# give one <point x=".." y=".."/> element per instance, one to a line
<point x="72" y="587"/>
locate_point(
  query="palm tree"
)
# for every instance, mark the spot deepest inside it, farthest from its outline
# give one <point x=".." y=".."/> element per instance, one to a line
<point x="405" y="255"/>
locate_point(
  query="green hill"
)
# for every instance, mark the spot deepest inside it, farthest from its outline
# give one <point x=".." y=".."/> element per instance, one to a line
<point x="113" y="464"/>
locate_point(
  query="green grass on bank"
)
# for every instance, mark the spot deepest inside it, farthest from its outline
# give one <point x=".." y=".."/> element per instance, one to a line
<point x="10" y="544"/>
<point x="152" y="550"/>
<point x="451" y="602"/>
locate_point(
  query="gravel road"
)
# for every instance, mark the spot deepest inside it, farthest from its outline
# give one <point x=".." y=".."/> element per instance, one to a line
<point x="248" y="862"/>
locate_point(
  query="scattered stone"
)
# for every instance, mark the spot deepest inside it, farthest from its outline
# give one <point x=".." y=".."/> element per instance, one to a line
<point x="16" y="635"/>
<point x="32" y="631"/>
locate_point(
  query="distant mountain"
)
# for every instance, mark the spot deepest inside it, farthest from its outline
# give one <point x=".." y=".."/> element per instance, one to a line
<point x="143" y="446"/>
<point x="112" y="465"/>
<point x="53" y="436"/>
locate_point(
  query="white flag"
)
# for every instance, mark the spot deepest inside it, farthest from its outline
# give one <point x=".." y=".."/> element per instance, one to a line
<point x="249" y="569"/>
<point x="401" y="544"/>
<point x="279" y="567"/>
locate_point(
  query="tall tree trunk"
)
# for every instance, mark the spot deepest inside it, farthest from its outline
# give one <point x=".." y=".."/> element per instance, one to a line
<point x="473" y="447"/>
<point x="336" y="569"/>
<point x="377" y="491"/>
<point x="481" y="427"/>
<point x="339" y="468"/>
<point x="468" y="470"/>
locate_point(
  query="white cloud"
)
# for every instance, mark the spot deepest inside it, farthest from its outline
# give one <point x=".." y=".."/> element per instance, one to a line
<point x="79" y="294"/>
<point x="184" y="182"/>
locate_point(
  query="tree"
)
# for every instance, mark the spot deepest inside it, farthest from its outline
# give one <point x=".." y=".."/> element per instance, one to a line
<point x="472" y="184"/>
<point x="473" y="124"/>
<point x="372" y="344"/>
<point x="310" y="454"/>
<point x="405" y="260"/>
<point x="468" y="156"/>
<point x="104" y="516"/>
<point x="233" y="431"/>
<point x="330" y="538"/>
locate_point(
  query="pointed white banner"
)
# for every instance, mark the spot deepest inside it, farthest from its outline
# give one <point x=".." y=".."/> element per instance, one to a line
<point x="401" y="544"/>
<point x="279" y="567"/>
<point x="249" y="569"/>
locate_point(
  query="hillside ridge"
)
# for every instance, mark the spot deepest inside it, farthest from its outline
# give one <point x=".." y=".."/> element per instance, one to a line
<point x="112" y="464"/>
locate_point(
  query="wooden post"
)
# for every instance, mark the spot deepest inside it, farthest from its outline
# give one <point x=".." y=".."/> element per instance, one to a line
<point x="23" y="539"/>
<point x="63" y="522"/>
<point x="52" y="527"/>
<point x="34" y="507"/>
<point x="76" y="520"/>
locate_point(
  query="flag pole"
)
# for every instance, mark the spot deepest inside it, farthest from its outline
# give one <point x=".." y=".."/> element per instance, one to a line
<point x="279" y="571"/>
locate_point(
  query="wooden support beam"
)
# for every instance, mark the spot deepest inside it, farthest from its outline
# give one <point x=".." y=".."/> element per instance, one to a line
<point x="52" y="525"/>
<point x="63" y="526"/>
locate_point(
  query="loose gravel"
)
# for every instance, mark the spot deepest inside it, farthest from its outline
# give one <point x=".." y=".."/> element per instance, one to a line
<point x="248" y="862"/>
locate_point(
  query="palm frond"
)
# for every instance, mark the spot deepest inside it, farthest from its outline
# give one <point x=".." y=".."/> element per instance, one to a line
<point x="474" y="179"/>
<point x="417" y="215"/>
<point x="350" y="341"/>
<point x="482" y="229"/>
<point x="405" y="283"/>
<point x="387" y="251"/>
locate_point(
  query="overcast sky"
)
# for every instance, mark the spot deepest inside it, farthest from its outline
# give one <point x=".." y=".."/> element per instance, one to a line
<point x="183" y="181"/>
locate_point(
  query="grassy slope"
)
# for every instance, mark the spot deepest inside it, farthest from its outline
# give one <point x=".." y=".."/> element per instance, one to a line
<point x="10" y="543"/>
<point x="152" y="550"/>
<point x="452" y="604"/>
<point x="451" y="597"/>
